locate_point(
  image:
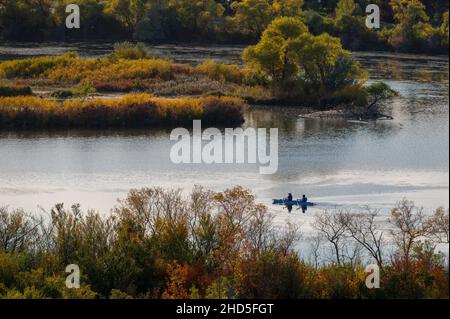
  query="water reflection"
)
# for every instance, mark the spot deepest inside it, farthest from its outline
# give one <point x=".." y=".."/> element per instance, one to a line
<point x="292" y="126"/>
<point x="404" y="66"/>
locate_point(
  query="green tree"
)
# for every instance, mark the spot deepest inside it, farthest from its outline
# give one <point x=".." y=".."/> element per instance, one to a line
<point x="287" y="8"/>
<point x="84" y="89"/>
<point x="375" y="97"/>
<point x="153" y="27"/>
<point x="296" y="62"/>
<point x="91" y="14"/>
<point x="129" y="12"/>
<point x="195" y="16"/>
<point x="412" y="31"/>
<point x="350" y="27"/>
<point x="251" y="16"/>
<point x="326" y="65"/>
<point x="272" y="55"/>
<point x="22" y="20"/>
<point x="444" y="30"/>
<point x="345" y="8"/>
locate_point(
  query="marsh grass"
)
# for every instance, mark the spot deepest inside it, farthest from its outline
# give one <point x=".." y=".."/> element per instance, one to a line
<point x="130" y="111"/>
<point x="221" y="72"/>
<point x="129" y="70"/>
<point x="35" y="67"/>
<point x="125" y="70"/>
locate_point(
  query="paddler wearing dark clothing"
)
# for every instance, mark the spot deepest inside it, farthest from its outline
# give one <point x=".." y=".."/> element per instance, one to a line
<point x="304" y="198"/>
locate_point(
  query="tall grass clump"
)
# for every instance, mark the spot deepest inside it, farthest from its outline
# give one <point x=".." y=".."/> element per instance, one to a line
<point x="130" y="51"/>
<point x="34" y="67"/>
<point x="221" y="72"/>
<point x="130" y="111"/>
<point x="121" y="75"/>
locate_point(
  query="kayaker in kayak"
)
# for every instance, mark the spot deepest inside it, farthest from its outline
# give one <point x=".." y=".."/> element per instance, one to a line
<point x="304" y="199"/>
<point x="289" y="198"/>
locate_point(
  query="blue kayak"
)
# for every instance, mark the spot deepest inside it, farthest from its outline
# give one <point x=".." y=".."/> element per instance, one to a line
<point x="284" y="201"/>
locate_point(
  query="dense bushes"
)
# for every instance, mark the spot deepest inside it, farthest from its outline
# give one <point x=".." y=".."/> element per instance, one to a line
<point x="159" y="244"/>
<point x="129" y="51"/>
<point x="134" y="110"/>
<point x="413" y="33"/>
<point x="34" y="67"/>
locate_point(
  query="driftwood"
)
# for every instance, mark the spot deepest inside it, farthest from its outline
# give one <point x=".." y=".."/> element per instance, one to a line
<point x="371" y="116"/>
<point x="347" y="115"/>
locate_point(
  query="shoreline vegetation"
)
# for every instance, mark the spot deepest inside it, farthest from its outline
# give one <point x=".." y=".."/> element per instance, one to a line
<point x="289" y="65"/>
<point x="157" y="243"/>
<point x="413" y="26"/>
<point x="129" y="111"/>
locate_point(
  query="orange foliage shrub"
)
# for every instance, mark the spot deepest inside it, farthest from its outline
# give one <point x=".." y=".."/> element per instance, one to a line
<point x="134" y="110"/>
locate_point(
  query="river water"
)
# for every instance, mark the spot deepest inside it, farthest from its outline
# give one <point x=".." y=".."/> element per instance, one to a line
<point x="336" y="163"/>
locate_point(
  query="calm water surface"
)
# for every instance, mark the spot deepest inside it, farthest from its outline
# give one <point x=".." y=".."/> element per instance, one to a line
<point x="338" y="164"/>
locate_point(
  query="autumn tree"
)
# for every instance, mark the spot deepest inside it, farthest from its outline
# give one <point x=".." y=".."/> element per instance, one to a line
<point x="445" y="29"/>
<point x="17" y="231"/>
<point x="18" y="24"/>
<point x="345" y="8"/>
<point x="438" y="226"/>
<point x="273" y="54"/>
<point x="129" y="12"/>
<point x="251" y="16"/>
<point x="158" y="243"/>
<point x="373" y="99"/>
<point x="409" y="228"/>
<point x="194" y="16"/>
<point x="298" y="63"/>
<point x="326" y="65"/>
<point x="156" y="24"/>
<point x="412" y="30"/>
<point x="333" y="228"/>
<point x="350" y="27"/>
<point x="91" y="15"/>
<point x="364" y="228"/>
<point x="287" y="8"/>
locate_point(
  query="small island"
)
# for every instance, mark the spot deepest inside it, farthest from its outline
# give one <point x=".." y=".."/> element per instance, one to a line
<point x="288" y="66"/>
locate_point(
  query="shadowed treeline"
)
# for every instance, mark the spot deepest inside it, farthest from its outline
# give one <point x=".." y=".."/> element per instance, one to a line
<point x="158" y="244"/>
<point x="406" y="25"/>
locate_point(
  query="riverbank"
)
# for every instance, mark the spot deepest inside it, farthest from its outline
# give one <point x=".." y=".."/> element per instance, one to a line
<point x="207" y="239"/>
<point x="129" y="111"/>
